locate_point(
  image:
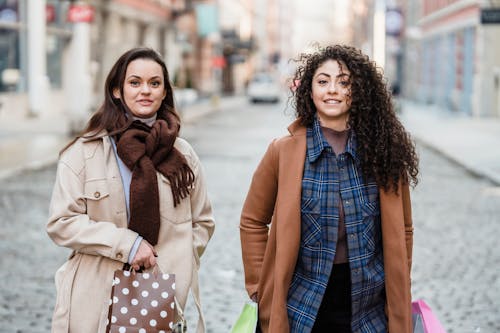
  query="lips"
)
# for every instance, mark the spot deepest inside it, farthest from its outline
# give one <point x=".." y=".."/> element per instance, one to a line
<point x="145" y="102"/>
<point x="332" y="101"/>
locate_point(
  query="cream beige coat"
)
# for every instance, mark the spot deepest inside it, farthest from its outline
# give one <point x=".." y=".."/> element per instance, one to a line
<point x="269" y="255"/>
<point x="88" y="215"/>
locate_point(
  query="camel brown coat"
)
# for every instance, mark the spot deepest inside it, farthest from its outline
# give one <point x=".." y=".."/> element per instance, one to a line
<point x="270" y="254"/>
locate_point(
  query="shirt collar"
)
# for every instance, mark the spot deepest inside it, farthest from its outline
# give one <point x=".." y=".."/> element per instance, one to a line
<point x="316" y="142"/>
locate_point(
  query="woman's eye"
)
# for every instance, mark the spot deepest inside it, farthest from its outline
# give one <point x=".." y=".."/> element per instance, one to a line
<point x="155" y="84"/>
<point x="135" y="83"/>
<point x="322" y="82"/>
<point x="344" y="83"/>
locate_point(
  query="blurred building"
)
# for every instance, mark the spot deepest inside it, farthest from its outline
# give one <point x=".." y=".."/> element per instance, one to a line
<point x="319" y="23"/>
<point x="237" y="27"/>
<point x="361" y="13"/>
<point x="55" y="54"/>
<point x="254" y="39"/>
<point x="456" y="47"/>
<point x="26" y="28"/>
<point x="445" y="53"/>
<point x="378" y="29"/>
<point x="264" y="35"/>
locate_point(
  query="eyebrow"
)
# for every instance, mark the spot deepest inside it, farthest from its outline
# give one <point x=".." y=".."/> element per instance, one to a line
<point x="338" y="76"/>
<point x="137" y="76"/>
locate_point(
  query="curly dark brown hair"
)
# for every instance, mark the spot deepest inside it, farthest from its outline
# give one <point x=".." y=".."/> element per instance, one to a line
<point x="386" y="152"/>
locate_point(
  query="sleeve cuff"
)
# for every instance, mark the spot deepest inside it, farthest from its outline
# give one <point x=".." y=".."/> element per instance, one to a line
<point x="134" y="249"/>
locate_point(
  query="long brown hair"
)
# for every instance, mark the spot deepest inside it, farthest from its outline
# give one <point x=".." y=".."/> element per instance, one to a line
<point x="387" y="153"/>
<point x="109" y="114"/>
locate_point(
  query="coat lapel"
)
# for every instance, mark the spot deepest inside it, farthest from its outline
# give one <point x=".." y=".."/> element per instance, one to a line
<point x="288" y="218"/>
<point x="397" y="282"/>
<point x="289" y="198"/>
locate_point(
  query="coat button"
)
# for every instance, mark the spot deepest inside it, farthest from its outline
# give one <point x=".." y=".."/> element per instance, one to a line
<point x="119" y="256"/>
<point x="97" y="194"/>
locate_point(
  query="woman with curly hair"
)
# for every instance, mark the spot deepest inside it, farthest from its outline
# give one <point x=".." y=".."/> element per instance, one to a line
<point x="326" y="227"/>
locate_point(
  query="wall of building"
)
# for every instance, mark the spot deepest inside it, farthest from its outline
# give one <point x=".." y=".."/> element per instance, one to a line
<point x="487" y="86"/>
<point x="20" y="69"/>
<point x="445" y="56"/>
<point x="123" y="24"/>
<point x="80" y="54"/>
<point x="452" y="58"/>
<point x="449" y="50"/>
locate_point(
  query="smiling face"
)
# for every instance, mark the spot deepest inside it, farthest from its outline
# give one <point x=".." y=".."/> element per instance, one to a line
<point x="143" y="87"/>
<point x="331" y="94"/>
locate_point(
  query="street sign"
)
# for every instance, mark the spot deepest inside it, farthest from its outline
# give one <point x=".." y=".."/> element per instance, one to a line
<point x="50" y="13"/>
<point x="218" y="62"/>
<point x="393" y="21"/>
<point x="80" y="13"/>
<point x="490" y="15"/>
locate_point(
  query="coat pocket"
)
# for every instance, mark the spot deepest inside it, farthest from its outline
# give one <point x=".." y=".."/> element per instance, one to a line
<point x="95" y="192"/>
<point x="311" y="224"/>
<point x="310" y="240"/>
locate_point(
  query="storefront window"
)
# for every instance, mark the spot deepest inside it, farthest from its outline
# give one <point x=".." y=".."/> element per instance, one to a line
<point x="54" y="60"/>
<point x="9" y="11"/>
<point x="9" y="60"/>
<point x="57" y="37"/>
<point x="14" y="52"/>
<point x="9" y="46"/>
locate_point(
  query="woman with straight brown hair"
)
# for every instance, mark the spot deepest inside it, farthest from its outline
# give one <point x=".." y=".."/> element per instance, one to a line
<point x="129" y="194"/>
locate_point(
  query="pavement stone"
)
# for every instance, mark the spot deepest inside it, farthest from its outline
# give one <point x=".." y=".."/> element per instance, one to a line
<point x="455" y="256"/>
<point x="470" y="142"/>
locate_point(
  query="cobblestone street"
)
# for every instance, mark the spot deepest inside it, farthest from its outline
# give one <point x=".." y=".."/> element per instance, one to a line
<point x="455" y="262"/>
<point x="456" y="258"/>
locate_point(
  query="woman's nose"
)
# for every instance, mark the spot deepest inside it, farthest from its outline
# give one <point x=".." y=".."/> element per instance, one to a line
<point x="145" y="89"/>
<point x="332" y="87"/>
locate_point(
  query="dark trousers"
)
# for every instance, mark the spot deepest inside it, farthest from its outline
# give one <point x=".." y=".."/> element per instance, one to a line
<point x="334" y="315"/>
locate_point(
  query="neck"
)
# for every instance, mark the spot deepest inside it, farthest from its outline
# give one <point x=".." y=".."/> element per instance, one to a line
<point x="148" y="121"/>
<point x="338" y="125"/>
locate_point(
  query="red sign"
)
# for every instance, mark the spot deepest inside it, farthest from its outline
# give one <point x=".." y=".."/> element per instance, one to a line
<point x="218" y="62"/>
<point x="50" y="13"/>
<point x="80" y="13"/>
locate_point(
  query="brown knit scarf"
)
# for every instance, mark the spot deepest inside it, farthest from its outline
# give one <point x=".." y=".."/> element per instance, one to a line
<point x="145" y="150"/>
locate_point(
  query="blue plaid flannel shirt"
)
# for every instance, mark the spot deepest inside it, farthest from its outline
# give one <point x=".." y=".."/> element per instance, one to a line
<point x="327" y="179"/>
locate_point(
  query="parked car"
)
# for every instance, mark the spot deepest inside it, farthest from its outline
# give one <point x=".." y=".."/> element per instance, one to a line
<point x="263" y="88"/>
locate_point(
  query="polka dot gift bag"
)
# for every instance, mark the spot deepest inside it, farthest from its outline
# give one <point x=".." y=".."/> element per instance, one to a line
<point x="143" y="303"/>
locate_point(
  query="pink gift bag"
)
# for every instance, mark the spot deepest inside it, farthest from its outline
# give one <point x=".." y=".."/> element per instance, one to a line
<point x="424" y="320"/>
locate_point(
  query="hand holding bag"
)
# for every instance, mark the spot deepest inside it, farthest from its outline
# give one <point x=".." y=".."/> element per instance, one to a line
<point x="248" y="319"/>
<point x="143" y="302"/>
<point x="424" y="319"/>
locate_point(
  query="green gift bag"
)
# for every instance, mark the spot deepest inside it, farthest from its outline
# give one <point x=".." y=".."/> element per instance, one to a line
<point x="247" y="321"/>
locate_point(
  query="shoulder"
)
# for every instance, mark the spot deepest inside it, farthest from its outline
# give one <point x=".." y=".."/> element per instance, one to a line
<point x="78" y="152"/>
<point x="187" y="151"/>
<point x="184" y="147"/>
<point x="296" y="136"/>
